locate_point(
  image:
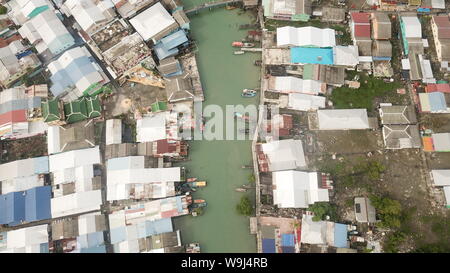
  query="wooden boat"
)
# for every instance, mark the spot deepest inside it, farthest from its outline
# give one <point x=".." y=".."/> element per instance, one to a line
<point x="230" y="7"/>
<point x="192" y="179"/>
<point x="237" y="44"/>
<point x="247" y="167"/>
<point x="239" y="52"/>
<point x="199" y="184"/>
<point x="199" y="201"/>
<point x="241" y="190"/>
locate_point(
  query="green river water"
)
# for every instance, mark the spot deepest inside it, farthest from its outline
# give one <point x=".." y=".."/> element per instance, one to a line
<point x="223" y="75"/>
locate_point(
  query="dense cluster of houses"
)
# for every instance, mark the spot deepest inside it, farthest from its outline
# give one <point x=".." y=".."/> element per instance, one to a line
<point x="305" y="64"/>
<point x="61" y="197"/>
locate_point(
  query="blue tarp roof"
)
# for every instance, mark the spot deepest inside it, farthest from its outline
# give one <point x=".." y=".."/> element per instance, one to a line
<point x="340" y="235"/>
<point x="159" y="226"/>
<point x="71" y="75"/>
<point x="437" y="101"/>
<point x="118" y="235"/>
<point x="287" y="240"/>
<point x="12" y="208"/>
<point x="162" y="52"/>
<point x="31" y="205"/>
<point x="91" y="240"/>
<point x="22" y="104"/>
<point x="174" y="40"/>
<point x="95" y="249"/>
<point x="288" y="249"/>
<point x="268" y="245"/>
<point x="41" y="165"/>
<point x="37" y="204"/>
<point x="167" y="46"/>
<point x="311" y="55"/>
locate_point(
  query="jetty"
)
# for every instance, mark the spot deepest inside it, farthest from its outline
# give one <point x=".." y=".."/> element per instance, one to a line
<point x="210" y="5"/>
<point x="251" y="49"/>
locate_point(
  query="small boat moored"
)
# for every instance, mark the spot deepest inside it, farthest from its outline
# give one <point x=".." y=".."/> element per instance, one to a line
<point x="199" y="201"/>
<point x="239" y="52"/>
<point x="241" y="190"/>
<point x="248" y="93"/>
<point x="192" y="179"/>
<point x="248" y="45"/>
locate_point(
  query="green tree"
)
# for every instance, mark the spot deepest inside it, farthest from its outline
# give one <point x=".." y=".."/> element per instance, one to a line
<point x="245" y="206"/>
<point x="251" y="178"/>
<point x="321" y="210"/>
<point x="388" y="210"/>
<point x="393" y="241"/>
<point x="3" y="10"/>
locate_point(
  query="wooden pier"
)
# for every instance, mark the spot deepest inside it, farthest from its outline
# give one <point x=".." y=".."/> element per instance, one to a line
<point x="210" y="5"/>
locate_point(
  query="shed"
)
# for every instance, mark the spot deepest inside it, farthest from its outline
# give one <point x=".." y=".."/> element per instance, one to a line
<point x="113" y="131"/>
<point x="441" y="142"/>
<point x="364" y="210"/>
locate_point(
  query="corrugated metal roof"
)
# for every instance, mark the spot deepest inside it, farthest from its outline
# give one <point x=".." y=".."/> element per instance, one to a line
<point x="268" y="245"/>
<point x="340" y="235"/>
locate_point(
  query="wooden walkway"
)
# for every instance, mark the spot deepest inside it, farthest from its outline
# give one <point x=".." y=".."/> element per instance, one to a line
<point x="210" y="5"/>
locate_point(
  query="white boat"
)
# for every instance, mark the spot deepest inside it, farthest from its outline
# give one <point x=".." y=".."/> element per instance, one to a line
<point x="239" y="52"/>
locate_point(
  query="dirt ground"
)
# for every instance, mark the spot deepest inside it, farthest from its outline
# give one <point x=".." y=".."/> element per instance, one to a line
<point x="438" y="160"/>
<point x="133" y="96"/>
<point x="439" y="123"/>
<point x="23" y="148"/>
<point x="338" y="142"/>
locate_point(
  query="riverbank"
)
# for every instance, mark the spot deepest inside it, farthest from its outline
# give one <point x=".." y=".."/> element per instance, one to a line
<point x="224" y="75"/>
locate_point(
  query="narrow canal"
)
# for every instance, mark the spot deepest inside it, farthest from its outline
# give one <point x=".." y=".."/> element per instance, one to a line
<point x="223" y="75"/>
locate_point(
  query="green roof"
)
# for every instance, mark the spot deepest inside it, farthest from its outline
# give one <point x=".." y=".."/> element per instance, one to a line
<point x="76" y="111"/>
<point x="159" y="106"/>
<point x="94" y="109"/>
<point x="50" y="110"/>
<point x="308" y="71"/>
<point x="300" y="17"/>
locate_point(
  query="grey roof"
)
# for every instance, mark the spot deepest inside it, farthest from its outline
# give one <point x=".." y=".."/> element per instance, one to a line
<point x="382" y="28"/>
<point x="180" y="17"/>
<point x="415" y="45"/>
<point x="332" y="74"/>
<point x="441" y="177"/>
<point x="401" y="136"/>
<point x="343" y="119"/>
<point x="285" y="154"/>
<point x="268" y="232"/>
<point x="381" y="48"/>
<point x="331" y="14"/>
<point x="364" y="47"/>
<point x="168" y="65"/>
<point x="415" y="72"/>
<point x="364" y="210"/>
<point x="441" y="141"/>
<point x="77" y="136"/>
<point x="179" y="89"/>
<point x="398" y="114"/>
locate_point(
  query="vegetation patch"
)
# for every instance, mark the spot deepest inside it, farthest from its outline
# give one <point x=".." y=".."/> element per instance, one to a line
<point x="245" y="206"/>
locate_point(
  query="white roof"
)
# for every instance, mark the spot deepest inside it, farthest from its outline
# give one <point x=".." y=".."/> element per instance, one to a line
<point x="413" y="28"/>
<point x="21" y="184"/>
<point x="441" y="141"/>
<point x="45" y="26"/>
<point x="441" y="177"/>
<point x="294" y="84"/>
<point x="113" y="131"/>
<point x="152" y="21"/>
<point x="86" y="12"/>
<point x="67" y="58"/>
<point x="53" y="140"/>
<point x="295" y="189"/>
<point x="406" y="65"/>
<point x="18" y="168"/>
<point x="74" y="159"/>
<point x="346" y="55"/>
<point x="313" y="232"/>
<point x="343" y="119"/>
<point x="304" y="102"/>
<point x="75" y="203"/>
<point x="438" y="4"/>
<point x="447" y="194"/>
<point x="284" y="154"/>
<point x="25" y="238"/>
<point x="86" y="223"/>
<point x="306" y="36"/>
<point x="151" y="128"/>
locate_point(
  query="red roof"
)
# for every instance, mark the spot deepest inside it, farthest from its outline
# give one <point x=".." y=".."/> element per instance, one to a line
<point x="362" y="31"/>
<point x="13" y="116"/>
<point x="439" y="87"/>
<point x="360" y="17"/>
